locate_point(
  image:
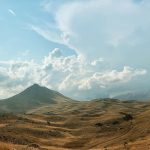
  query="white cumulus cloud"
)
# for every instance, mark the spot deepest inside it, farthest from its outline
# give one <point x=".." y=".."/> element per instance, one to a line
<point x="70" y="75"/>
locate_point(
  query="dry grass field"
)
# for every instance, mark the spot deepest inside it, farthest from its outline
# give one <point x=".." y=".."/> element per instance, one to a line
<point x="96" y="125"/>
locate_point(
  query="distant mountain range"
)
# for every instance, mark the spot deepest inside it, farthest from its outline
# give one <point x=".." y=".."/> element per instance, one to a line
<point x="33" y="97"/>
<point x="134" y="96"/>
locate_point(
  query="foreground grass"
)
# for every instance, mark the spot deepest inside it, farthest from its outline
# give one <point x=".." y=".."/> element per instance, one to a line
<point x="4" y="146"/>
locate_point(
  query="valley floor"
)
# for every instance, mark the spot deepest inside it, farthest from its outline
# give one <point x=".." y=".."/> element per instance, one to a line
<point x="96" y="125"/>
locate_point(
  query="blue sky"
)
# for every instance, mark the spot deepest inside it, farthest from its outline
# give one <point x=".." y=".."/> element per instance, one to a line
<point x="16" y="37"/>
<point x="82" y="48"/>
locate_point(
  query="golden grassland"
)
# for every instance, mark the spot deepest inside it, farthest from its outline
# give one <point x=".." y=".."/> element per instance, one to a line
<point x="4" y="146"/>
<point x="96" y="125"/>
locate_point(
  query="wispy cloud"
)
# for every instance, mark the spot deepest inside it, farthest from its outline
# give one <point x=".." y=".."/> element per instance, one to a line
<point x="11" y="12"/>
<point x="48" y="34"/>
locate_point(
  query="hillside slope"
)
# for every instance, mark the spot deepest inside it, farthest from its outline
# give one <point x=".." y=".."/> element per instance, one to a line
<point x="105" y="124"/>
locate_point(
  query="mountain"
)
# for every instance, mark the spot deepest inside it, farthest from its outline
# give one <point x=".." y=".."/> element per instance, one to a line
<point x="33" y="97"/>
<point x="134" y="96"/>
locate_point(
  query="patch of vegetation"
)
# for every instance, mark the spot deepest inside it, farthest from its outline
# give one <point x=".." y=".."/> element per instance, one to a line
<point x="99" y="124"/>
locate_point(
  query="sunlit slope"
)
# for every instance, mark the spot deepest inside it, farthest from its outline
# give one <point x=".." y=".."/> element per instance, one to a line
<point x="97" y="125"/>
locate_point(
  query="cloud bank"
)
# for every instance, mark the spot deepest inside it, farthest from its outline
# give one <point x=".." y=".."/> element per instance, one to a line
<point x="71" y="75"/>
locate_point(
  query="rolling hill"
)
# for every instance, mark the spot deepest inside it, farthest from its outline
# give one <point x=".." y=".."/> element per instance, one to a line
<point x="101" y="124"/>
<point x="44" y="119"/>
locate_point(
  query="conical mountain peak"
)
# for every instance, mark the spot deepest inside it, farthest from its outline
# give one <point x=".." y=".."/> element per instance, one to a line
<point x="33" y="97"/>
